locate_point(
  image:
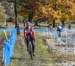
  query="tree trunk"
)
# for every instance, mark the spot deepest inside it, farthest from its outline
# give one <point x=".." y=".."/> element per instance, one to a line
<point x="54" y="23"/>
<point x="15" y="10"/>
<point x="62" y="22"/>
<point x="36" y="23"/>
<point x="30" y="16"/>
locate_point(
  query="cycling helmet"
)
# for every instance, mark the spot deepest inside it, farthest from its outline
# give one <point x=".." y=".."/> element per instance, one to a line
<point x="28" y="23"/>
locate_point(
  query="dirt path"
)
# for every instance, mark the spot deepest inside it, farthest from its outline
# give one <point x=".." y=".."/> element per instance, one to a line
<point x="42" y="56"/>
<point x="22" y="58"/>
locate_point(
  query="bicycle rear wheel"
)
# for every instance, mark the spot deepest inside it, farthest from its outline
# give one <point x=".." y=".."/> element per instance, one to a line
<point x="30" y="50"/>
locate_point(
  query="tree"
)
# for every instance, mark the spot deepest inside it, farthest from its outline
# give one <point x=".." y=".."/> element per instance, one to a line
<point x="3" y="16"/>
<point x="49" y="10"/>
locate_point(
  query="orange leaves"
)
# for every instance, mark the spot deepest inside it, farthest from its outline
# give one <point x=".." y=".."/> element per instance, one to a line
<point x="44" y="9"/>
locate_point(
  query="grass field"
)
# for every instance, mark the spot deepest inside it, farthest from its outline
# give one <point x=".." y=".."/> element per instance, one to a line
<point x="43" y="55"/>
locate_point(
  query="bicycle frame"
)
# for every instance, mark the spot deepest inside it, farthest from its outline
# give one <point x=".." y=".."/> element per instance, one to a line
<point x="30" y="50"/>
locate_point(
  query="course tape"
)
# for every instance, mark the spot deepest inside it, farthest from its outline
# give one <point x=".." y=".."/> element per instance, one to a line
<point x="8" y="49"/>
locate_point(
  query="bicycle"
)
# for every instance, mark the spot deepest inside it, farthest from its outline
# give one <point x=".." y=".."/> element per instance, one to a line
<point x="30" y="50"/>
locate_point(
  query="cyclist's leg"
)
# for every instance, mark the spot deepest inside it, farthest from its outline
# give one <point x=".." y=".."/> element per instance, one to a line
<point x="27" y="43"/>
<point x="33" y="46"/>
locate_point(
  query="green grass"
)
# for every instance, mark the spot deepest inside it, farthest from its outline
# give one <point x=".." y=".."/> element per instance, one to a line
<point x="42" y="56"/>
<point x="1" y="47"/>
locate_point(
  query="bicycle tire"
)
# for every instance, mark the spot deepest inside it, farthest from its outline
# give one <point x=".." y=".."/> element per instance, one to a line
<point x="30" y="50"/>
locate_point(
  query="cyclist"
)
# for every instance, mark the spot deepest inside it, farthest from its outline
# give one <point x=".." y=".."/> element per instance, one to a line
<point x="29" y="30"/>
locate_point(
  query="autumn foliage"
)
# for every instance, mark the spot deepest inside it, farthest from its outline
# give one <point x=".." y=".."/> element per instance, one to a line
<point x="47" y="10"/>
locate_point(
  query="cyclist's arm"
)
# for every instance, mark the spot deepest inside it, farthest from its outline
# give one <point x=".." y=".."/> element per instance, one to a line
<point x="33" y="34"/>
<point x="25" y="34"/>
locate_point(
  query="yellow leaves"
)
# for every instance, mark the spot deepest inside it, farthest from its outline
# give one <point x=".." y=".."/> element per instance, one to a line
<point x="67" y="18"/>
<point x="73" y="18"/>
<point x="35" y="18"/>
<point x="73" y="9"/>
<point x="44" y="10"/>
<point x="24" y="15"/>
<point x="58" y="20"/>
<point x="59" y="1"/>
<point x="49" y="9"/>
<point x="66" y="12"/>
<point x="65" y="9"/>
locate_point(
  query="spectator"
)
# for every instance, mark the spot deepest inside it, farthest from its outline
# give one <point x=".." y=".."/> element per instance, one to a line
<point x="18" y="29"/>
<point x="59" y="28"/>
<point x="49" y="27"/>
<point x="69" y="26"/>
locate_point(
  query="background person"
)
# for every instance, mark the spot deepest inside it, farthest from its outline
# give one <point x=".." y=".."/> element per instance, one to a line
<point x="59" y="29"/>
